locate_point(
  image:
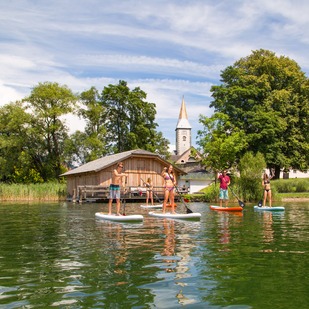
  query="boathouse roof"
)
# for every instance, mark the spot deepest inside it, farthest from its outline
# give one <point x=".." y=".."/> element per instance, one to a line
<point x="104" y="162"/>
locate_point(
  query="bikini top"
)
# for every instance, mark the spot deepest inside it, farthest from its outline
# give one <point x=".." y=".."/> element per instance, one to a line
<point x="266" y="182"/>
<point x="167" y="177"/>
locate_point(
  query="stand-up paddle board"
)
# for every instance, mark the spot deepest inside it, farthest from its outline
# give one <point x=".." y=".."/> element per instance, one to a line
<point x="156" y="206"/>
<point x="168" y="215"/>
<point x="152" y="206"/>
<point x="278" y="208"/>
<point x="112" y="217"/>
<point x="226" y="208"/>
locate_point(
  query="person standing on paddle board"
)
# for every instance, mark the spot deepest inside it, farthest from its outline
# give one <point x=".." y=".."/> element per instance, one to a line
<point x="169" y="186"/>
<point x="114" y="189"/>
<point x="267" y="189"/>
<point x="149" y="193"/>
<point x="224" y="183"/>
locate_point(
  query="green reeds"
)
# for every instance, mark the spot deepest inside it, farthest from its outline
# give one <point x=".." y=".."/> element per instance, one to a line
<point x="50" y="191"/>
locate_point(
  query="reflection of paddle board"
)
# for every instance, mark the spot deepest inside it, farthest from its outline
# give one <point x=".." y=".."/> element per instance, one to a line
<point x="278" y="208"/>
<point x="194" y="215"/>
<point x="226" y="208"/>
<point x="157" y="206"/>
<point x="106" y="216"/>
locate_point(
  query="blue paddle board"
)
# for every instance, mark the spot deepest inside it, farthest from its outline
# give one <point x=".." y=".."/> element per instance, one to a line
<point x="267" y="208"/>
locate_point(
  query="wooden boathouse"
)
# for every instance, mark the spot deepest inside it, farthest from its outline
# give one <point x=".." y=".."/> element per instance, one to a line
<point x="90" y="182"/>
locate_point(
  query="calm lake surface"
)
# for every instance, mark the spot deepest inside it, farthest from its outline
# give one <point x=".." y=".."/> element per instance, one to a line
<point x="57" y="255"/>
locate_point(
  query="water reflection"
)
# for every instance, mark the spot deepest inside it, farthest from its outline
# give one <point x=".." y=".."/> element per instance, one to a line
<point x="61" y="256"/>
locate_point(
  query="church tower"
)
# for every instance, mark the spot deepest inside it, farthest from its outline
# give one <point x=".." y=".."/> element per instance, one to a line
<point x="183" y="131"/>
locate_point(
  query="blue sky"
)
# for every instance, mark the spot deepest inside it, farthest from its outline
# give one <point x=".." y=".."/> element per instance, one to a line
<point x="170" y="48"/>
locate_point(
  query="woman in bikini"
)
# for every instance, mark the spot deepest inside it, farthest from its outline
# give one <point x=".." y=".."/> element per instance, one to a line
<point x="169" y="185"/>
<point x="149" y="193"/>
<point x="267" y="189"/>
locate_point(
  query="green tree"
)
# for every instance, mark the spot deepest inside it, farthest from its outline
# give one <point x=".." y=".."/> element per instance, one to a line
<point x="49" y="102"/>
<point x="219" y="142"/>
<point x="86" y="146"/>
<point x="130" y="120"/>
<point x="266" y="97"/>
<point x="14" y="139"/>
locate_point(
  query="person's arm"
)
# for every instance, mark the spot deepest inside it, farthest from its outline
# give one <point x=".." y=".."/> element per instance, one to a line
<point x="217" y="173"/>
<point x="272" y="174"/>
<point x="163" y="172"/>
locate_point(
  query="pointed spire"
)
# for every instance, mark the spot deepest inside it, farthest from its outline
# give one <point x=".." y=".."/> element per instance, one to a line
<point x="183" y="112"/>
<point x="183" y="122"/>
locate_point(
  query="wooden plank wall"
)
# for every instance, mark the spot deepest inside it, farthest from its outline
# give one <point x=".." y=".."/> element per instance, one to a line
<point x="136" y="167"/>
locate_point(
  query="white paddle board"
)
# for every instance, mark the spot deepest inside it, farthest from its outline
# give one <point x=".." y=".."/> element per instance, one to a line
<point x="278" y="208"/>
<point x="152" y="206"/>
<point x="113" y="217"/>
<point x="194" y="215"/>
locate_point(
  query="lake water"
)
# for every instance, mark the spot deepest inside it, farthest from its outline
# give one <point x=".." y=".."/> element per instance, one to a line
<point x="57" y="255"/>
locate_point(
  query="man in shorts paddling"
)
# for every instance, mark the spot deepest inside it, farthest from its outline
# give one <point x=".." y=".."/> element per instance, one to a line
<point x="114" y="188"/>
<point x="224" y="183"/>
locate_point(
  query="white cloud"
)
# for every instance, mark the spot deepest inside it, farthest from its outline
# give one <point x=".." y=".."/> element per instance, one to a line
<point x="167" y="48"/>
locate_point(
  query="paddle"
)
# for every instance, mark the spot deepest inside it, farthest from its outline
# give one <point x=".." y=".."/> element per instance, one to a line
<point x="124" y="206"/>
<point x="241" y="204"/>
<point x="189" y="211"/>
<point x="260" y="203"/>
<point x="152" y="191"/>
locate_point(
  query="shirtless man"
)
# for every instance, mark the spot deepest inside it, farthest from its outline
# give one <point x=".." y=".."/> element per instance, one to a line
<point x="114" y="188"/>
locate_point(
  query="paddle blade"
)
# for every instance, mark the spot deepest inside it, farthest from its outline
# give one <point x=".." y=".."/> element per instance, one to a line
<point x="260" y="203"/>
<point x="242" y="204"/>
<point x="186" y="200"/>
<point x="189" y="211"/>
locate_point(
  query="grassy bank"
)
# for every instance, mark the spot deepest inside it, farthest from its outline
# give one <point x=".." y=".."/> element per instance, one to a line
<point x="33" y="192"/>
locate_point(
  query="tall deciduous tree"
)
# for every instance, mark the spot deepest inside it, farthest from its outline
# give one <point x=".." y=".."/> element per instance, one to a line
<point x="49" y="102"/>
<point x="219" y="143"/>
<point x="14" y="139"/>
<point x="267" y="98"/>
<point x="130" y="120"/>
<point x="89" y="145"/>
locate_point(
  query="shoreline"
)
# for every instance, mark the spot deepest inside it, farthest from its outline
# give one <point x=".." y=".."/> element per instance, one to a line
<point x="295" y="199"/>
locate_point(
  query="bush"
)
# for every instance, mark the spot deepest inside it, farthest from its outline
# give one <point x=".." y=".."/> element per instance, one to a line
<point x="251" y="169"/>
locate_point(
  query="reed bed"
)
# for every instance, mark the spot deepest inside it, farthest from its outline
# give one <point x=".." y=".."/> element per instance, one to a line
<point x="33" y="192"/>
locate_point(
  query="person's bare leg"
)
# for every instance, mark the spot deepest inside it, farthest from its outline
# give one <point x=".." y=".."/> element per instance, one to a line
<point x="110" y="206"/>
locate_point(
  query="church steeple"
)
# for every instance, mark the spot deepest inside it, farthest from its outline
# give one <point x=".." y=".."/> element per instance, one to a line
<point x="183" y="131"/>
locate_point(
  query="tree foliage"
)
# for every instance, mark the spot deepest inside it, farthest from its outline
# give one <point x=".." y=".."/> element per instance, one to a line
<point x="83" y="147"/>
<point x="34" y="140"/>
<point x="220" y="144"/>
<point x="130" y="120"/>
<point x="15" y="141"/>
<point x="266" y="98"/>
<point x="49" y="102"/>
<point x="251" y="168"/>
